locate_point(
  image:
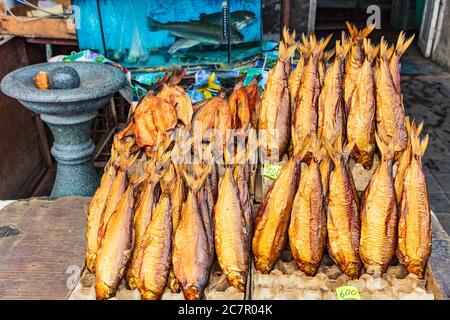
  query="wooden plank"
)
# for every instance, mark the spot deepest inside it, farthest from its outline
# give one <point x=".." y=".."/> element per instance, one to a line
<point x="43" y="28"/>
<point x="39" y="261"/>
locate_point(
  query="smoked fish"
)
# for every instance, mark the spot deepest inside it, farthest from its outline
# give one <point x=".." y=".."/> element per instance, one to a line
<point x="403" y="164"/>
<point x="254" y="100"/>
<point x="191" y="252"/>
<point x="394" y="61"/>
<point x="156" y="250"/>
<point x="343" y="221"/>
<point x="414" y="228"/>
<point x="390" y="113"/>
<point x="331" y="118"/>
<point x="115" y="250"/>
<point x="231" y="235"/>
<point x="308" y="227"/>
<point x="305" y="117"/>
<point x="354" y="61"/>
<point x="361" y="117"/>
<point x="274" y="119"/>
<point x="176" y="96"/>
<point x="379" y="215"/>
<point x="96" y="208"/>
<point x="273" y="217"/>
<point x="118" y="186"/>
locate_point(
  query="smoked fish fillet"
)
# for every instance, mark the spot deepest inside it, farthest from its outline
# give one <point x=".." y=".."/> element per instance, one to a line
<point x="361" y="117"/>
<point x="343" y="220"/>
<point x="414" y="228"/>
<point x="379" y="215"/>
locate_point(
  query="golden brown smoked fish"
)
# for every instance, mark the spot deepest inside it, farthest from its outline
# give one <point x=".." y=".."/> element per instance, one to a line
<point x="308" y="227"/>
<point x="254" y="99"/>
<point x="403" y="165"/>
<point x="322" y="64"/>
<point x="414" y="228"/>
<point x="177" y="197"/>
<point x="355" y="60"/>
<point x="394" y="61"/>
<point x="156" y="249"/>
<point x="96" y="208"/>
<point x="295" y="77"/>
<point x="191" y="253"/>
<point x="390" y="113"/>
<point x="275" y="114"/>
<point x="115" y="250"/>
<point x="379" y="215"/>
<point x="361" y="117"/>
<point x="343" y="222"/>
<point x="180" y="99"/>
<point x="119" y="185"/>
<point x="231" y="233"/>
<point x="148" y="198"/>
<point x="239" y="106"/>
<point x="272" y="219"/>
<point x="305" y="118"/>
<point x="331" y="120"/>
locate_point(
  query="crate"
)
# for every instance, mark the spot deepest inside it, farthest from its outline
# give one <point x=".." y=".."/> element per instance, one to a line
<point x="217" y="289"/>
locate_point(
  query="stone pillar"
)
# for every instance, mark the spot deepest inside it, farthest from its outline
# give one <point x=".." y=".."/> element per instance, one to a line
<point x="73" y="149"/>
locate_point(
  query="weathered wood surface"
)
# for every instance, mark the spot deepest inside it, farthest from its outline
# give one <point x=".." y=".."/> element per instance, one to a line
<point x="51" y="242"/>
<point x="44" y="28"/>
<point x="21" y="25"/>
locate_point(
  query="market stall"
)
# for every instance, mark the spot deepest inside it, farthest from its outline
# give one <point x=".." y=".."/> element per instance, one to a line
<point x="245" y="169"/>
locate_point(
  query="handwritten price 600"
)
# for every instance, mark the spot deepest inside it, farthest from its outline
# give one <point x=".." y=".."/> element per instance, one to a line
<point x="347" y="293"/>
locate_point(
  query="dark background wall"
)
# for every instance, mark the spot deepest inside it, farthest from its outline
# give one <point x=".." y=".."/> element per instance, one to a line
<point x="20" y="153"/>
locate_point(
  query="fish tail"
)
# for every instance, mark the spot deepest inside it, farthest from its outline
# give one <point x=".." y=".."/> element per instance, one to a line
<point x="237" y="280"/>
<point x="196" y="181"/>
<point x="327" y="55"/>
<point x="351" y="29"/>
<point x="149" y="295"/>
<point x="288" y="38"/>
<point x="348" y="149"/>
<point x="342" y="49"/>
<point x="403" y="44"/>
<point x="285" y="51"/>
<point x="386" y="51"/>
<point x="90" y="262"/>
<point x="387" y="150"/>
<point x="324" y="42"/>
<point x="103" y="291"/>
<point x="370" y="50"/>
<point x="345" y="40"/>
<point x="418" y="146"/>
<point x="330" y="149"/>
<point x="315" y="148"/>
<point x="153" y="25"/>
<point x="192" y="293"/>
<point x="367" y="31"/>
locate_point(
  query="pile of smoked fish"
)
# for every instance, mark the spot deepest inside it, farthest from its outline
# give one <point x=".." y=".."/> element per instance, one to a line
<point x="163" y="214"/>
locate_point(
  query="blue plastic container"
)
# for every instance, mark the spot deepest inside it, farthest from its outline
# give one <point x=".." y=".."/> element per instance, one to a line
<point x="151" y="33"/>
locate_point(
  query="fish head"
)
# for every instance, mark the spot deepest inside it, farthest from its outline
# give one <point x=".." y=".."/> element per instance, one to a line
<point x="241" y="19"/>
<point x="103" y="291"/>
<point x="149" y="295"/>
<point x="192" y="293"/>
